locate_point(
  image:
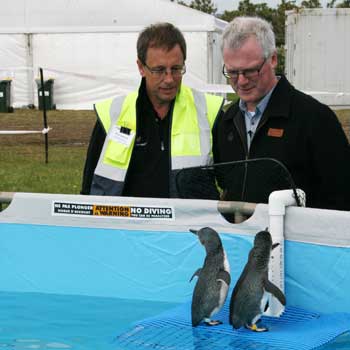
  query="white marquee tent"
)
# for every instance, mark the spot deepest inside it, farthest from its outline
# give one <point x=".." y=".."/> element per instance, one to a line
<point x="317" y="53"/>
<point x="89" y="47"/>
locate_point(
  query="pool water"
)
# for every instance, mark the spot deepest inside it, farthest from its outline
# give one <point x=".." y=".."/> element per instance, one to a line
<point x="61" y="322"/>
<point x="50" y="321"/>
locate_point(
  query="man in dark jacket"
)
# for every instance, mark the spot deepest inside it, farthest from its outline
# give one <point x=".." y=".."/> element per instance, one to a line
<point x="274" y="120"/>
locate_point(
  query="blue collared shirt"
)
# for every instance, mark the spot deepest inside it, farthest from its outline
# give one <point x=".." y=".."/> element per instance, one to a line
<point x="252" y="118"/>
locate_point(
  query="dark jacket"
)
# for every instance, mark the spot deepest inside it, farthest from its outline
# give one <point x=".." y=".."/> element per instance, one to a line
<point x="296" y="130"/>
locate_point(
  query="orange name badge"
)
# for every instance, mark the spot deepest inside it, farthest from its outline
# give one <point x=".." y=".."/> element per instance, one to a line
<point x="275" y="132"/>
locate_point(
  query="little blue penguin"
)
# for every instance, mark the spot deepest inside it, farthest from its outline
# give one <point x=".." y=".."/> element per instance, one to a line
<point x="249" y="296"/>
<point x="213" y="281"/>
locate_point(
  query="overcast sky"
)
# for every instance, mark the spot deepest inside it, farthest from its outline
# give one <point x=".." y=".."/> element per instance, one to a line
<point x="230" y="5"/>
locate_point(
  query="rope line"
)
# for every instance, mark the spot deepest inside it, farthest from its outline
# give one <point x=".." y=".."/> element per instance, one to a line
<point x="22" y="132"/>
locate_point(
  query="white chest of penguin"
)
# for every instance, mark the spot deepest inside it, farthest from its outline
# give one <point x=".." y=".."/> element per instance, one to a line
<point x="224" y="285"/>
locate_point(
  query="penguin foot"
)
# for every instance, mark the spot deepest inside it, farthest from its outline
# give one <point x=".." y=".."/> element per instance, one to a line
<point x="212" y="322"/>
<point x="255" y="328"/>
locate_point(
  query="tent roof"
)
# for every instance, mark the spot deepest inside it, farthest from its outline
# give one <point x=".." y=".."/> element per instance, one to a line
<point x="60" y="16"/>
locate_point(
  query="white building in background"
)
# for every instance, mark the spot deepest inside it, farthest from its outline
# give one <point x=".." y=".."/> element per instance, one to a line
<point x="89" y="47"/>
<point x="318" y="54"/>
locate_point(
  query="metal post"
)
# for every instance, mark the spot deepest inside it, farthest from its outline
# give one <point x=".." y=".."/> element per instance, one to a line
<point x="44" y="116"/>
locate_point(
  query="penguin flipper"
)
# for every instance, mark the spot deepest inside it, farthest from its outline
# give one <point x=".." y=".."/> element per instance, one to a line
<point x="224" y="276"/>
<point x="275" y="291"/>
<point x="196" y="274"/>
<point x="274" y="246"/>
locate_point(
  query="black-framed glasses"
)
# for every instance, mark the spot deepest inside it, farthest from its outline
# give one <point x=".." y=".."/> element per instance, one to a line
<point x="160" y="72"/>
<point x="251" y="73"/>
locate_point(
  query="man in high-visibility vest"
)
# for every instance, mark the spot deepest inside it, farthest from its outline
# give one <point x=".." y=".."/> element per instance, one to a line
<point x="141" y="140"/>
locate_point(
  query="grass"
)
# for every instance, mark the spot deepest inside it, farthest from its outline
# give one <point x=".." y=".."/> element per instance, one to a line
<point x="22" y="158"/>
<point x="26" y="171"/>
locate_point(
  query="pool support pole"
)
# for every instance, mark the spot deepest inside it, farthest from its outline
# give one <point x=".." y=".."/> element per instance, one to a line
<point x="278" y="201"/>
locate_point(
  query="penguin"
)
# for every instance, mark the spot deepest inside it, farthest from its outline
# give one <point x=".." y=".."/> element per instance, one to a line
<point x="213" y="281"/>
<point x="249" y="297"/>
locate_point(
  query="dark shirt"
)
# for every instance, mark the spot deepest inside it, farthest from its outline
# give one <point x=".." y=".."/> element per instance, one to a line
<point x="149" y="168"/>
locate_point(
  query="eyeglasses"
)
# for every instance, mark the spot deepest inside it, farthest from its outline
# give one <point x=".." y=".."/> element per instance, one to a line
<point x="251" y="73"/>
<point x="160" y="72"/>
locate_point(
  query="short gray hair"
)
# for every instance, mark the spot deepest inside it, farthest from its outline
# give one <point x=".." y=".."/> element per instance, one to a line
<point x="242" y="28"/>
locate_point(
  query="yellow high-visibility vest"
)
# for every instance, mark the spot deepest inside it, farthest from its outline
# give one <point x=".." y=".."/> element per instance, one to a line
<point x="193" y="117"/>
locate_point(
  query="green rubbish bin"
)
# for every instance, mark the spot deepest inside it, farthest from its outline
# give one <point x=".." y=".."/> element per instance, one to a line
<point x="5" y="96"/>
<point x="48" y="94"/>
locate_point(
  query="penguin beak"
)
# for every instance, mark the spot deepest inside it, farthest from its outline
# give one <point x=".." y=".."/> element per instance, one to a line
<point x="193" y="231"/>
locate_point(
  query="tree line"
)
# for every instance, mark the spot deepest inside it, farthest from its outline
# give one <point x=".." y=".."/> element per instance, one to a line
<point x="276" y="16"/>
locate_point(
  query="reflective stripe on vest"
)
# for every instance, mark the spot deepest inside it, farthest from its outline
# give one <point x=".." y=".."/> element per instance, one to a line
<point x="187" y="150"/>
<point x="193" y="117"/>
<point x="115" y="157"/>
<point x="208" y="107"/>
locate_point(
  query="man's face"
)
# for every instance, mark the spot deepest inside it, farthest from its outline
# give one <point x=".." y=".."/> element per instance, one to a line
<point x="162" y="87"/>
<point x="250" y="57"/>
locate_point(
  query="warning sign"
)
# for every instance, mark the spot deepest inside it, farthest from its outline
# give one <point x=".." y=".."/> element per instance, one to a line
<point x="116" y="211"/>
<point x="72" y="208"/>
<point x="111" y="210"/>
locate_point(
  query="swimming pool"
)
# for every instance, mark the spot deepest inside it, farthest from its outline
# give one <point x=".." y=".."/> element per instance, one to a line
<point x="53" y="321"/>
<point x="66" y="274"/>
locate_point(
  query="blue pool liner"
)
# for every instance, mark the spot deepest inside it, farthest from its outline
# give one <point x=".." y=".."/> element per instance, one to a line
<point x="296" y="329"/>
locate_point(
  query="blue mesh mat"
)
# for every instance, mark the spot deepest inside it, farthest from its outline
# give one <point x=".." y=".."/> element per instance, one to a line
<point x="296" y="329"/>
